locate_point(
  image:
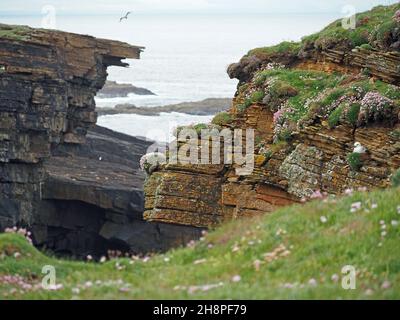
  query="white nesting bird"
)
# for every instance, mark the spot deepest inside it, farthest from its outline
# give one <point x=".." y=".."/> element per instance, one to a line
<point x="359" y="148"/>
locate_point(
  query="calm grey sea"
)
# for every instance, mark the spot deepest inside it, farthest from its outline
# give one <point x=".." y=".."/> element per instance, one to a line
<point x="186" y="56"/>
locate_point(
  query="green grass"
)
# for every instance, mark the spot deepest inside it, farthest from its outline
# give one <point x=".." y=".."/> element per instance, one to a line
<point x="352" y="115"/>
<point x="372" y="30"/>
<point x="12" y="32"/>
<point x="388" y="90"/>
<point x="283" y="47"/>
<point x="334" y="117"/>
<point x="298" y="86"/>
<point x="307" y="93"/>
<point x="222" y="119"/>
<point x="243" y="106"/>
<point x="198" y="127"/>
<point x="332" y="96"/>
<point x="396" y="179"/>
<point x="395" y="134"/>
<point x="317" y="251"/>
<point x="354" y="160"/>
<point x="366" y="46"/>
<point x="255" y="97"/>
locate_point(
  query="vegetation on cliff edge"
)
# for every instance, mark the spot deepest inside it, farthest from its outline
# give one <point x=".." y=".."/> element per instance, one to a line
<point x="377" y="28"/>
<point x="297" y="252"/>
<point x="298" y="98"/>
<point x="14" y="32"/>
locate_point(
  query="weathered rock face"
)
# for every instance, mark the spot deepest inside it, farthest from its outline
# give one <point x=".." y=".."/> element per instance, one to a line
<point x="78" y="188"/>
<point x="382" y="65"/>
<point x="208" y="195"/>
<point x="185" y="194"/>
<point x="47" y="87"/>
<point x="92" y="200"/>
<point x="314" y="159"/>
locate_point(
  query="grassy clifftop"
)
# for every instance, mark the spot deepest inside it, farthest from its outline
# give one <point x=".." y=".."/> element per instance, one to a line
<point x="14" y="32"/>
<point x="299" y="97"/>
<point x="297" y="252"/>
<point x="377" y="28"/>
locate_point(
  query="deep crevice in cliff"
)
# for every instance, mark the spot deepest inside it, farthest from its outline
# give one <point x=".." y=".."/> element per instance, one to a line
<point x="75" y="185"/>
<point x="72" y="228"/>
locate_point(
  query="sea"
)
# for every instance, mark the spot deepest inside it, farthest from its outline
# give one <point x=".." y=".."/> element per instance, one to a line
<point x="185" y="57"/>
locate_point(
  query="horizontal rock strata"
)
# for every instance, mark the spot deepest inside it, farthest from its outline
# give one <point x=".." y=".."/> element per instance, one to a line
<point x="76" y="186"/>
<point x="314" y="159"/>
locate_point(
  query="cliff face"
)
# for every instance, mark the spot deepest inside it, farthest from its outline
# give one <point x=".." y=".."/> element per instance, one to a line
<point x="308" y="105"/>
<point x="314" y="158"/>
<point x="76" y="186"/>
<point x="47" y="87"/>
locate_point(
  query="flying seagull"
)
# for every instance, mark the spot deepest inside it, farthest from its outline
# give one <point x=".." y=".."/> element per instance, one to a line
<point x="125" y="17"/>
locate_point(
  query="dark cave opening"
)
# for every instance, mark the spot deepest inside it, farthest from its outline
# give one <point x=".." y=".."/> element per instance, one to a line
<point x="69" y="228"/>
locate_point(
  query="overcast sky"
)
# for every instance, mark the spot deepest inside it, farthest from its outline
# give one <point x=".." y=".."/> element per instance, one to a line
<point x="23" y="7"/>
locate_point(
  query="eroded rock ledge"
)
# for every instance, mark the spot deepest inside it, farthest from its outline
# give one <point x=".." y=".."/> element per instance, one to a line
<point x="314" y="159"/>
<point x="76" y="186"/>
<point x="313" y="156"/>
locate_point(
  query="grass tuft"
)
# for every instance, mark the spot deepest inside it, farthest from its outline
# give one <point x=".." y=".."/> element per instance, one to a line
<point x="290" y="254"/>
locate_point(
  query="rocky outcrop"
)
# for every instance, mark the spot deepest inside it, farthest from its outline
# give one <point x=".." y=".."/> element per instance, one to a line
<point x="76" y="186"/>
<point x="313" y="156"/>
<point x="113" y="89"/>
<point x="373" y="45"/>
<point x="47" y="88"/>
<point x="92" y="200"/>
<point x="382" y="65"/>
<point x="316" y="159"/>
<point x="205" y="107"/>
<point x="185" y="194"/>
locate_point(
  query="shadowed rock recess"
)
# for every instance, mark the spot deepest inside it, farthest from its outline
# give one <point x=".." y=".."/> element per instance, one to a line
<point x="309" y="102"/>
<point x="75" y="185"/>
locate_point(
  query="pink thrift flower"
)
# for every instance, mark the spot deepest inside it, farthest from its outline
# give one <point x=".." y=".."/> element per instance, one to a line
<point x="278" y="115"/>
<point x="312" y="282"/>
<point x="316" y="195"/>
<point x="396" y="16"/>
<point x="386" y="285"/>
<point x="348" y="192"/>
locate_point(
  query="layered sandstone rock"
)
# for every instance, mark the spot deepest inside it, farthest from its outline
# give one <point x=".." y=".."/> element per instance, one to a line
<point x="47" y="87"/>
<point x="76" y="186"/>
<point x="314" y="159"/>
<point x="382" y="65"/>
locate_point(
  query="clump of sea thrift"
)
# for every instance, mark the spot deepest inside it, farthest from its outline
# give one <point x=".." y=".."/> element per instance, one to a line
<point x="374" y="106"/>
<point x="396" y="16"/>
<point x="19" y="284"/>
<point x="356" y="206"/>
<point x="22" y="231"/>
<point x="317" y="194"/>
<point x="278" y="115"/>
<point x="282" y="131"/>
